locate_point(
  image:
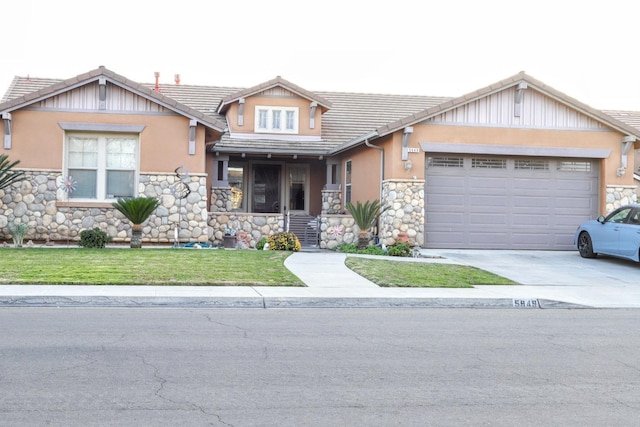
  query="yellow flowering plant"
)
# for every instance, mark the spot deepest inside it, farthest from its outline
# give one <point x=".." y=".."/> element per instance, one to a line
<point x="284" y="241"/>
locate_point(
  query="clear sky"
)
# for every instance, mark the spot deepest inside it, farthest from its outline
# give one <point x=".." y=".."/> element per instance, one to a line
<point x="587" y="49"/>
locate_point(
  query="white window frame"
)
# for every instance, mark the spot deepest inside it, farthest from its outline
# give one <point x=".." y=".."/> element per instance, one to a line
<point x="101" y="169"/>
<point x="270" y="119"/>
<point x="348" y="171"/>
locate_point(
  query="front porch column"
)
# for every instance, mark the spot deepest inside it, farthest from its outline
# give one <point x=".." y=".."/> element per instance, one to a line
<point x="221" y="171"/>
<point x="404" y="200"/>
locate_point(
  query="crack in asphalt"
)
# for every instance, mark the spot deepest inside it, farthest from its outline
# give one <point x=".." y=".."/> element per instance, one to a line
<point x="163" y="381"/>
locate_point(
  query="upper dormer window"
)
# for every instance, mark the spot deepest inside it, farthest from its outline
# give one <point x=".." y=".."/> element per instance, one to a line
<point x="276" y="119"/>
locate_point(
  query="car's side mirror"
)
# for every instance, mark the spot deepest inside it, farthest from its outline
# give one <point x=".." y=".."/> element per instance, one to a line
<point x="601" y="219"/>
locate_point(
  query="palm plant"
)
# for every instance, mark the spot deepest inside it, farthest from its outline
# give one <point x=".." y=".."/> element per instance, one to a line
<point x="364" y="215"/>
<point x="137" y="210"/>
<point x="7" y="174"/>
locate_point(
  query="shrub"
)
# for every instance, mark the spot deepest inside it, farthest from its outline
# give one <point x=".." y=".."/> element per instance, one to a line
<point x="95" y="238"/>
<point x="372" y="250"/>
<point x="284" y="241"/>
<point x="260" y="244"/>
<point x="352" y="248"/>
<point x="347" y="248"/>
<point x="399" y="249"/>
<point x="17" y="233"/>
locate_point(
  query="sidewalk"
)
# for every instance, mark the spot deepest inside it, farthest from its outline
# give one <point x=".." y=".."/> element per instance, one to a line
<point x="329" y="284"/>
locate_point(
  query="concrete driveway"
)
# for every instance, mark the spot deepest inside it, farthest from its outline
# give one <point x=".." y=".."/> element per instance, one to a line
<point x="602" y="282"/>
<point x="564" y="268"/>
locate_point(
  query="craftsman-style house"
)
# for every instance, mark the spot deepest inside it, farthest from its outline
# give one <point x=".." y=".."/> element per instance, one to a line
<point x="516" y="164"/>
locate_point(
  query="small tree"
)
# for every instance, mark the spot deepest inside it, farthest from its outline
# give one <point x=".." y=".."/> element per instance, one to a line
<point x="364" y="216"/>
<point x="137" y="210"/>
<point x="7" y="173"/>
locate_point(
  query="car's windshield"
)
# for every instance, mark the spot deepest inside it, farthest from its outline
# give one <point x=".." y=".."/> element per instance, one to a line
<point x="619" y="215"/>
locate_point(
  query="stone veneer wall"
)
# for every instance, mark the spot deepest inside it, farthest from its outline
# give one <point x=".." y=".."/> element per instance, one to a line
<point x="248" y="227"/>
<point x="619" y="196"/>
<point x="337" y="229"/>
<point x="332" y="202"/>
<point x="221" y="200"/>
<point x="404" y="202"/>
<point x="36" y="201"/>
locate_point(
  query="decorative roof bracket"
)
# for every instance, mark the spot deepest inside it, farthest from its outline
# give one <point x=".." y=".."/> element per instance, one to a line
<point x="627" y="143"/>
<point x="517" y="106"/>
<point x="6" y="117"/>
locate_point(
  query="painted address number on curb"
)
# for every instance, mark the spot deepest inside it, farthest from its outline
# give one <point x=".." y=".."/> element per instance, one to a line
<point x="525" y="303"/>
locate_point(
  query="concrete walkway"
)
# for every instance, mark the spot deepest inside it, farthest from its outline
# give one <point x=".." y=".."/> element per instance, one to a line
<point x="331" y="284"/>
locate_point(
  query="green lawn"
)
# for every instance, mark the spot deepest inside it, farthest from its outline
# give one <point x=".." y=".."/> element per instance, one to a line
<point x="148" y="266"/>
<point x="389" y="273"/>
<point x="166" y="266"/>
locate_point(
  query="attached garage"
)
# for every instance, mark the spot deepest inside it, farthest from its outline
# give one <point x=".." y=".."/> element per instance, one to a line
<point x="508" y="202"/>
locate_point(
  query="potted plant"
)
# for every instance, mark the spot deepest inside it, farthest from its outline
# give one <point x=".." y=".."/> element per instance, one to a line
<point x="364" y="215"/>
<point x="137" y="210"/>
<point x="229" y="239"/>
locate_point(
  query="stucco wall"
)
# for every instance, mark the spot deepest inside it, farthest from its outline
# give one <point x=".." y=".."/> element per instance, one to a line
<point x="38" y="139"/>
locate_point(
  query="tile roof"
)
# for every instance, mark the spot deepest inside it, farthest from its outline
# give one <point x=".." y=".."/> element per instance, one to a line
<point x="350" y="118"/>
<point x="610" y="119"/>
<point x="25" y="91"/>
<point x="351" y="115"/>
<point x="631" y="118"/>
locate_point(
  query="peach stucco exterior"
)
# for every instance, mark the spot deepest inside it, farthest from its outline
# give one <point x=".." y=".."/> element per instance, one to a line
<point x="40" y="139"/>
<point x="388" y="160"/>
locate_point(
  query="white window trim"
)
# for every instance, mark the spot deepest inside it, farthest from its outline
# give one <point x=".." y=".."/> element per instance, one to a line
<point x="348" y="188"/>
<point x="270" y="121"/>
<point x="101" y="178"/>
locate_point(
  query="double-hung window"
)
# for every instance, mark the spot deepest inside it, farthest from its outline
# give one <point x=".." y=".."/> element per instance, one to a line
<point x="103" y="166"/>
<point x="347" y="181"/>
<point x="276" y="120"/>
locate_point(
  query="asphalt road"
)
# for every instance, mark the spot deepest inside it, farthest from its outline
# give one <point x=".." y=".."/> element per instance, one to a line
<point x="319" y="367"/>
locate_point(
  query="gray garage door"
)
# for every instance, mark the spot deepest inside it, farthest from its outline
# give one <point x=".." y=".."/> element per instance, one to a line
<point x="476" y="201"/>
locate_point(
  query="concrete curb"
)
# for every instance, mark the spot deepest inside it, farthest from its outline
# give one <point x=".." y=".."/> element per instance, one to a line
<point x="274" y="302"/>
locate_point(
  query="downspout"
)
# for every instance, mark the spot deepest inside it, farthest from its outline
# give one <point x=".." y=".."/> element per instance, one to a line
<point x="370" y="145"/>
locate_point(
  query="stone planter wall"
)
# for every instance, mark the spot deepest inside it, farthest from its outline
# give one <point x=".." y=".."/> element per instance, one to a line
<point x="248" y="227"/>
<point x="337" y="229"/>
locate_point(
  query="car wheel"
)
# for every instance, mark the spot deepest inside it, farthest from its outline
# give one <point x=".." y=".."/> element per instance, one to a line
<point x="585" y="246"/>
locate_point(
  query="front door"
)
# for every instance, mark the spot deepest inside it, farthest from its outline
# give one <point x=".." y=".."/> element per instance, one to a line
<point x="266" y="188"/>
<point x="297" y="188"/>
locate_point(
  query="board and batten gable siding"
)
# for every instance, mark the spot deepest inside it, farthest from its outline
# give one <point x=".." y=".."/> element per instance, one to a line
<point x="536" y="111"/>
<point x="86" y="98"/>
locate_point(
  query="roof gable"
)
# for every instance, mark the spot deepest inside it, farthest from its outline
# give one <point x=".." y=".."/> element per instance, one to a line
<point x="520" y="80"/>
<point x="277" y="82"/>
<point x="46" y="91"/>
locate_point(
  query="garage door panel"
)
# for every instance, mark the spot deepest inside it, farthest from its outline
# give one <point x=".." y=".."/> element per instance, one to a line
<point x="519" y="184"/>
<point x="446" y="217"/>
<point x="447" y="238"/>
<point x="530" y="201"/>
<point x="446" y="201"/>
<point x="577" y="185"/>
<point x="525" y="205"/>
<point x="491" y="201"/>
<point x="495" y="239"/>
<point x="574" y="204"/>
<point x="488" y="219"/>
<point x="483" y="184"/>
<point x="530" y="219"/>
